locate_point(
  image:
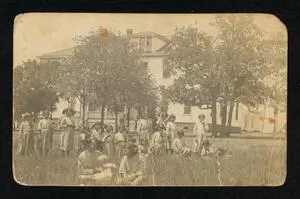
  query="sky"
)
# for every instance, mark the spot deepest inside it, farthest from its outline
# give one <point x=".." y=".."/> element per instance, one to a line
<point x="39" y="33"/>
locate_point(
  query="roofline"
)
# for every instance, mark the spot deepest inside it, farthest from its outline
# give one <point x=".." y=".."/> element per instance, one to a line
<point x="153" y="35"/>
<point x="154" y="55"/>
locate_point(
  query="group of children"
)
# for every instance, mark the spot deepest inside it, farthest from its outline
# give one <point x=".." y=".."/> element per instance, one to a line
<point x="108" y="156"/>
<point x="102" y="146"/>
<point x="35" y="140"/>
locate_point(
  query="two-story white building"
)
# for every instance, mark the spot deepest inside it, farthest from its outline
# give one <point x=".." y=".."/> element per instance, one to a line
<point x="154" y="44"/>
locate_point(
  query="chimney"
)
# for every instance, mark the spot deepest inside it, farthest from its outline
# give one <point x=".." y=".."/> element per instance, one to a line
<point x="129" y="32"/>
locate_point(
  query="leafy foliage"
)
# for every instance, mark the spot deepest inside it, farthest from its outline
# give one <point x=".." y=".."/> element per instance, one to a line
<point x="107" y="69"/>
<point x="33" y="88"/>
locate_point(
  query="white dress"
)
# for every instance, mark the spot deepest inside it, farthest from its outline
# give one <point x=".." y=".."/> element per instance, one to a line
<point x="171" y="132"/>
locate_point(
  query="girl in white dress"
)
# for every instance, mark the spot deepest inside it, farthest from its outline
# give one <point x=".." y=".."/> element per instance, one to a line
<point x="200" y="130"/>
<point x="67" y="139"/>
<point x="171" y="132"/>
<point x="157" y="143"/>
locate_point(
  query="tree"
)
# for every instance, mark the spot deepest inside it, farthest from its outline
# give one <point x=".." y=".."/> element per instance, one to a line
<point x="241" y="49"/>
<point x="33" y="90"/>
<point x="108" y="68"/>
<point x="192" y="58"/>
<point x="229" y="68"/>
<point x="277" y="79"/>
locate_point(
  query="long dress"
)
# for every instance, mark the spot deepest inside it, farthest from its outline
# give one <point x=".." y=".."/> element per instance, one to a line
<point x="119" y="144"/>
<point x="142" y="130"/>
<point x="157" y="143"/>
<point x="45" y="127"/>
<point x="200" y="132"/>
<point x="67" y="139"/>
<point x="149" y="129"/>
<point x="171" y="132"/>
<point x="26" y="142"/>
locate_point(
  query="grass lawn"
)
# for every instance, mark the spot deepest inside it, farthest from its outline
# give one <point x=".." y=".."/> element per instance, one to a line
<point x="253" y="163"/>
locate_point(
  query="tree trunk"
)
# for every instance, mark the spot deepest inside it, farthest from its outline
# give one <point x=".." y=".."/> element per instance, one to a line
<point x="224" y="118"/>
<point x="214" y="114"/>
<point x="116" y="119"/>
<point x="228" y="131"/>
<point x="275" y="120"/>
<point x="128" y="117"/>
<point x="102" y="113"/>
<point x="83" y="110"/>
<point x="263" y="120"/>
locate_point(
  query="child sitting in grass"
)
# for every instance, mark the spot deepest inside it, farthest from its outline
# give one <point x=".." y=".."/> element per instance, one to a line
<point x="179" y="146"/>
<point x="94" y="167"/>
<point x="208" y="150"/>
<point x="132" y="168"/>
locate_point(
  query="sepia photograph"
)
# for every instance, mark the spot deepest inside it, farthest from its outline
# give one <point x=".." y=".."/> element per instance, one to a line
<point x="149" y="100"/>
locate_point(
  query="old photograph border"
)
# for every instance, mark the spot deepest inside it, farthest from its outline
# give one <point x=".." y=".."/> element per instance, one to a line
<point x="286" y="13"/>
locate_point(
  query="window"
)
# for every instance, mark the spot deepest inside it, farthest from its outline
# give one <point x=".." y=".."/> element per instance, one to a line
<point x="187" y="110"/>
<point x="142" y="42"/>
<point x="237" y="111"/>
<point x="92" y="106"/>
<point x="166" y="72"/>
<point x="148" y="44"/>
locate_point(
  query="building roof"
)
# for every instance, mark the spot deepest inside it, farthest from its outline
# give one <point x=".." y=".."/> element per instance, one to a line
<point x="68" y="52"/>
<point x="57" y="54"/>
<point x="151" y="34"/>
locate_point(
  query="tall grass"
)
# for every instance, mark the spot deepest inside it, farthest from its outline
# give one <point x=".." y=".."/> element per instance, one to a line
<point x="253" y="165"/>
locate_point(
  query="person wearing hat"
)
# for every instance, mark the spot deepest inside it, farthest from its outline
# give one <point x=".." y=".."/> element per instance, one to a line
<point x="45" y="129"/>
<point x="171" y="130"/>
<point x="179" y="145"/>
<point x="132" y="169"/>
<point x="26" y="141"/>
<point x="94" y="167"/>
<point x="68" y="126"/>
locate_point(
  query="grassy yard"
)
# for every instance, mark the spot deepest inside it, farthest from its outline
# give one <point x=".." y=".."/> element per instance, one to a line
<point x="253" y="163"/>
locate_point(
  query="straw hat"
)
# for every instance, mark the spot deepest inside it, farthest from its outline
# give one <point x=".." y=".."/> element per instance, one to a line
<point x="26" y="115"/>
<point x="41" y="115"/>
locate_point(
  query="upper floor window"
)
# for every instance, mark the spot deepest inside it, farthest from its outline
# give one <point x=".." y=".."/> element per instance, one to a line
<point x="92" y="106"/>
<point x="237" y="111"/>
<point x="145" y="43"/>
<point x="165" y="70"/>
<point x="187" y="110"/>
<point x="148" y="44"/>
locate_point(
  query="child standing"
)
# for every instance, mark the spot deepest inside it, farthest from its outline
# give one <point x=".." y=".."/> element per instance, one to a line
<point x="96" y="136"/>
<point x="119" y="142"/>
<point x="26" y="142"/>
<point x="45" y="129"/>
<point x="171" y="130"/>
<point x="200" y="130"/>
<point x="157" y="146"/>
